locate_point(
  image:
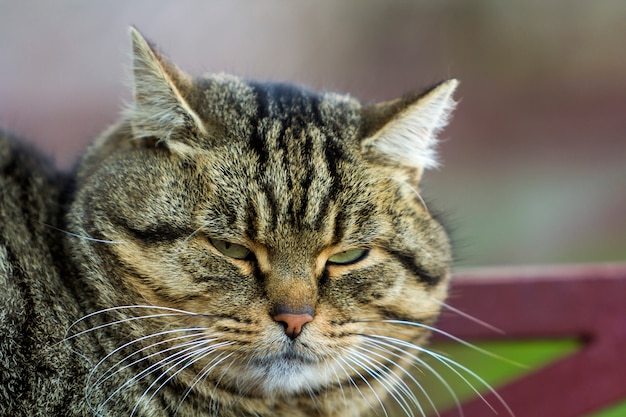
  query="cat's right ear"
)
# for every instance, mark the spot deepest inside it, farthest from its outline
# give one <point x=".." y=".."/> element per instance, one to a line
<point x="403" y="133"/>
<point x="160" y="111"/>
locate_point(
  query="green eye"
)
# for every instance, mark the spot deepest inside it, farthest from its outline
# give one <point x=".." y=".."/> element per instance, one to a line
<point x="229" y="249"/>
<point x="348" y="257"/>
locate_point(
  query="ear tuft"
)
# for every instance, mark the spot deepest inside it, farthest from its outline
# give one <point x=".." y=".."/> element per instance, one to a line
<point x="160" y="110"/>
<point x="408" y="136"/>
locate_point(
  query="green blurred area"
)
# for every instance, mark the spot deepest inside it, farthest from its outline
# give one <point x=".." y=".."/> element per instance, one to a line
<point x="612" y="411"/>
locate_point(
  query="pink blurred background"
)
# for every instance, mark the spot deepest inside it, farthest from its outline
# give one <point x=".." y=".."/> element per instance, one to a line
<point x="534" y="162"/>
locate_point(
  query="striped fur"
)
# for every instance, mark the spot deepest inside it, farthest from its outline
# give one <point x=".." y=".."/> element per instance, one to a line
<point x="160" y="321"/>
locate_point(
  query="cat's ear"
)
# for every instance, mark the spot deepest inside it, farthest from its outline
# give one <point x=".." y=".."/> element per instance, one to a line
<point x="404" y="132"/>
<point x="160" y="111"/>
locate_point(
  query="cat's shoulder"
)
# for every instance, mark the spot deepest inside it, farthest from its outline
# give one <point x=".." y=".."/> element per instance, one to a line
<point x="27" y="176"/>
<point x="31" y="201"/>
<point x="34" y="306"/>
<point x="21" y="161"/>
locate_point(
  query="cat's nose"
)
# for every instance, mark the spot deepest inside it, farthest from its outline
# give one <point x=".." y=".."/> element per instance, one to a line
<point x="293" y="322"/>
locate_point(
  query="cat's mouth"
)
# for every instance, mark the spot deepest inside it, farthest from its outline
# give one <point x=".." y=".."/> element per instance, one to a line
<point x="283" y="371"/>
<point x="291" y="357"/>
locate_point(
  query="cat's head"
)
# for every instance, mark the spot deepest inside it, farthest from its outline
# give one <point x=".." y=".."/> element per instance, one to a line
<point x="289" y="223"/>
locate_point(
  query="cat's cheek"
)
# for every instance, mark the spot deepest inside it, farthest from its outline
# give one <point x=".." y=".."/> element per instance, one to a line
<point x="363" y="286"/>
<point x="164" y="275"/>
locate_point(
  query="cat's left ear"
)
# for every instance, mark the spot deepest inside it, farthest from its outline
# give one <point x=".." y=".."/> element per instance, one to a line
<point x="404" y="132"/>
<point x="160" y="111"/>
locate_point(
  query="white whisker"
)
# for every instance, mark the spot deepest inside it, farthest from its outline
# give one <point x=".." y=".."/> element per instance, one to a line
<point x="199" y="229"/>
<point x="92" y="384"/>
<point x="201" y="375"/>
<point x="451" y="364"/>
<point x="339" y="384"/>
<point x="456" y="339"/>
<point x="412" y="188"/>
<point x="313" y="398"/>
<point x="392" y="382"/>
<point x="126" y="320"/>
<point x="91" y="239"/>
<point x="192" y="234"/>
<point x="193" y="353"/>
<point x="171" y="312"/>
<point x="417" y="359"/>
<point x="404" y="371"/>
<point x="341" y="362"/>
<point x="380" y="402"/>
<point x="192" y="359"/>
<point x="108" y="375"/>
<point x="125" y="345"/>
<point x="468" y="316"/>
<point x="152" y="368"/>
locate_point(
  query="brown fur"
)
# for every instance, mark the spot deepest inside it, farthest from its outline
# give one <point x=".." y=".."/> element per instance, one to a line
<point x="296" y="177"/>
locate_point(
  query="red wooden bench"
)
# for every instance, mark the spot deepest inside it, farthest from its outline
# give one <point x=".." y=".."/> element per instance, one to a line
<point x="586" y="302"/>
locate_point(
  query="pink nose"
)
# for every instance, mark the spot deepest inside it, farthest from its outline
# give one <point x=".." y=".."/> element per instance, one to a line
<point x="293" y="322"/>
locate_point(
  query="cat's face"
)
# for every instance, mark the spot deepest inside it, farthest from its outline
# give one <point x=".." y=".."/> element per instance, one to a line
<point x="284" y="228"/>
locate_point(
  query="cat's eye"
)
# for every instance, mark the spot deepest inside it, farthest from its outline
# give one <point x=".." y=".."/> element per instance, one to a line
<point x="348" y="257"/>
<point x="231" y="250"/>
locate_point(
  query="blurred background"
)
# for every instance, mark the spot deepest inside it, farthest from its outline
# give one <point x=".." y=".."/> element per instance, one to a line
<point x="534" y="161"/>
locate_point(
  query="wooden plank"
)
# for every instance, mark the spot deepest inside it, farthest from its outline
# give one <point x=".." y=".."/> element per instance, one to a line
<point x="586" y="302"/>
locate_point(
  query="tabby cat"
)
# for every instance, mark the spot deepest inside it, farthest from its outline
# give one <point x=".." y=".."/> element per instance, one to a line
<point x="228" y="248"/>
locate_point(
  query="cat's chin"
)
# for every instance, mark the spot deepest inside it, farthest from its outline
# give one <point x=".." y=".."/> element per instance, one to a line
<point x="284" y="374"/>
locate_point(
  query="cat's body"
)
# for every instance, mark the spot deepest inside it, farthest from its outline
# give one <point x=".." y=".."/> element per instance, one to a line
<point x="227" y="249"/>
<point x="38" y="375"/>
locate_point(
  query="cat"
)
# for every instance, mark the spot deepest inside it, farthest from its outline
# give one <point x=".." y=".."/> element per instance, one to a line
<point x="227" y="248"/>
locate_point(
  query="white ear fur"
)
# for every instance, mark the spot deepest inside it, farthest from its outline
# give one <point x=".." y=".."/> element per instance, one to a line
<point x="160" y="110"/>
<point x="410" y="138"/>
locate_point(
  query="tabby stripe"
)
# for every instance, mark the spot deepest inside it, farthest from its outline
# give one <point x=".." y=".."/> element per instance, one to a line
<point x="153" y="234"/>
<point x="16" y="171"/>
<point x="305" y="183"/>
<point x="314" y="100"/>
<point x="273" y="201"/>
<point x="307" y="178"/>
<point x="409" y="262"/>
<point x="339" y="230"/>
<point x="10" y="170"/>
<point x="334" y="153"/>
<point x="322" y="215"/>
<point x="388" y="314"/>
<point x="259" y="277"/>
<point x="159" y="233"/>
<point x="252" y="222"/>
<point x="281" y="145"/>
<point x="257" y="142"/>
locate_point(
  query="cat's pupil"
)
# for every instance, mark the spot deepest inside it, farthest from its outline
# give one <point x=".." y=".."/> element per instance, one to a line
<point x="230" y="249"/>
